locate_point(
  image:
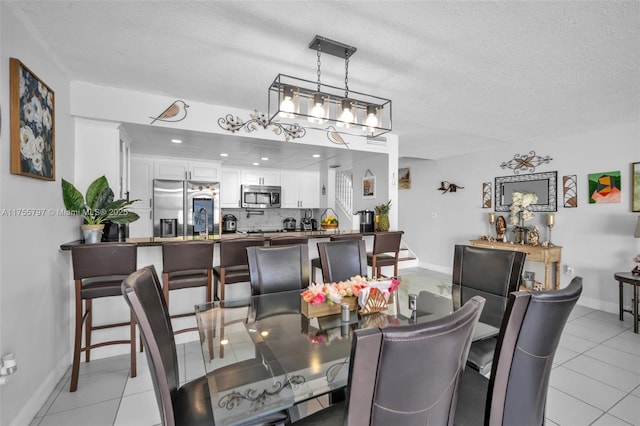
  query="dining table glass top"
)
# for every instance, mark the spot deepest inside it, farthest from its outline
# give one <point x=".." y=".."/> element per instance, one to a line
<point x="262" y="355"/>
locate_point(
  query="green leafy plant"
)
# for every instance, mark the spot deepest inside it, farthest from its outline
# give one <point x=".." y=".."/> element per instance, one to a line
<point x="383" y="208"/>
<point x="98" y="205"/>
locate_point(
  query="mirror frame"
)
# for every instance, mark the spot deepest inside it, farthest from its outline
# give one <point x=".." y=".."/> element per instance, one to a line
<point x="550" y="177"/>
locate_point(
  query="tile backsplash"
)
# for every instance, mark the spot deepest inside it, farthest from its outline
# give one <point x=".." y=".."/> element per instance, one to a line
<point x="269" y="219"/>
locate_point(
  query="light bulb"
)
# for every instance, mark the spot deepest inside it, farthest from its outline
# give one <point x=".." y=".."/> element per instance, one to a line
<point x="287" y="105"/>
<point x="318" y="111"/>
<point x="371" y="121"/>
<point x="346" y="116"/>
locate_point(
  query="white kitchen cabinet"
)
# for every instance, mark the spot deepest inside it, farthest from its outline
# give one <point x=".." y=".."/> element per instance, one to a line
<point x="261" y="177"/>
<point x="230" y="187"/>
<point x="141" y="182"/>
<point x="193" y="170"/>
<point x="300" y="190"/>
<point x="143" y="227"/>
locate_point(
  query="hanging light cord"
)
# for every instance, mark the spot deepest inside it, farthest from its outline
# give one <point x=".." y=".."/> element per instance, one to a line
<point x="319" y="50"/>
<point x="346" y="74"/>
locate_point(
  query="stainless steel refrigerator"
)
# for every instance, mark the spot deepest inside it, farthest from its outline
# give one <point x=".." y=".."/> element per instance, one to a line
<point x="185" y="208"/>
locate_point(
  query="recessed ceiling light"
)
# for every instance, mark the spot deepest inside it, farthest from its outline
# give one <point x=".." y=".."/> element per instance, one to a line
<point x="224" y="154"/>
<point x="316" y="155"/>
<point x="256" y="164"/>
<point x="265" y="158"/>
<point x="176" y="140"/>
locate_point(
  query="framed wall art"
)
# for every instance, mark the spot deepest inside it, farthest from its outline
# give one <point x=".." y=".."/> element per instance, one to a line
<point x="404" y="178"/>
<point x="369" y="187"/>
<point x="635" y="196"/>
<point x="605" y="187"/>
<point x="486" y="195"/>
<point x="570" y="191"/>
<point x="32" y="124"/>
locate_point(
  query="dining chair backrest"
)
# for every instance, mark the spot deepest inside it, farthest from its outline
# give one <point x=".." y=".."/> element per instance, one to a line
<point x="187" y="255"/>
<point x="516" y="392"/>
<point x="142" y="292"/>
<point x="387" y="383"/>
<point x="486" y="272"/>
<point x="280" y="268"/>
<point x="387" y="242"/>
<point x="341" y="260"/>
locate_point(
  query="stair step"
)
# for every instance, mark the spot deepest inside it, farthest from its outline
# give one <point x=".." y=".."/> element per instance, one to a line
<point x="400" y="259"/>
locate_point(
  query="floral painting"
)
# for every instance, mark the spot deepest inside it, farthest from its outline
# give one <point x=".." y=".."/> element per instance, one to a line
<point x="32" y="124"/>
<point x="635" y="206"/>
<point x="605" y="188"/>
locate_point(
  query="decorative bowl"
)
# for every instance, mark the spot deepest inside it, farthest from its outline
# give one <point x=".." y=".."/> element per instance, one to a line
<point x="328" y="225"/>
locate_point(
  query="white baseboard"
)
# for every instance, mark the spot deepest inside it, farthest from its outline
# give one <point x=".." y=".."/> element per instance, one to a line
<point x="600" y="305"/>
<point x="40" y="396"/>
<point x="437" y="268"/>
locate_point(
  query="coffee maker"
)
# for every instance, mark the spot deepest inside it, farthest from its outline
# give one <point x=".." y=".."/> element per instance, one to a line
<point x="366" y="220"/>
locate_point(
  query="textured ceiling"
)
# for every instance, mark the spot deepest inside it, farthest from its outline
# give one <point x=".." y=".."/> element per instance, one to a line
<point x="463" y="76"/>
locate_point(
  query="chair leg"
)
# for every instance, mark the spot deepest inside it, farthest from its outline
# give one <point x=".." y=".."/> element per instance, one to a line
<point x="75" y="367"/>
<point x="215" y="288"/>
<point x="222" y="280"/>
<point x="134" y="369"/>
<point x="87" y="331"/>
<point x="209" y="279"/>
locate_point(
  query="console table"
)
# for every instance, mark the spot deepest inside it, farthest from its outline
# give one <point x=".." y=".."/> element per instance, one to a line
<point x="546" y="255"/>
<point x="634" y="280"/>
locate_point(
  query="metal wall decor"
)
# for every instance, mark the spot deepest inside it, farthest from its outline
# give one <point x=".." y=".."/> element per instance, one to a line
<point x="258" y="119"/>
<point x="525" y="162"/>
<point x="544" y="185"/>
<point x="570" y="191"/>
<point x="448" y="187"/>
<point x="486" y="195"/>
<point x="177" y="111"/>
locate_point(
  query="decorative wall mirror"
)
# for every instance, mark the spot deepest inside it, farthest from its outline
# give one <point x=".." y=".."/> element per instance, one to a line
<point x="542" y="184"/>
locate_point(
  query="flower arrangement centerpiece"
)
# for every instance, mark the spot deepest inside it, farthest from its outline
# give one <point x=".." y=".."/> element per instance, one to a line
<point x="520" y="212"/>
<point x="321" y="299"/>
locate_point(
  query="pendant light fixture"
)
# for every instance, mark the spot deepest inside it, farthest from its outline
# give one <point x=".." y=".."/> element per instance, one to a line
<point x="293" y="99"/>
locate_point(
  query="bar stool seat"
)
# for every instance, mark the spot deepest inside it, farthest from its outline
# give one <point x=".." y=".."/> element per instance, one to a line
<point x="98" y="271"/>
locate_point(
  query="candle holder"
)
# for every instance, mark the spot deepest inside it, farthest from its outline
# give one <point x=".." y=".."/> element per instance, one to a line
<point x="492" y="221"/>
<point x="550" y="223"/>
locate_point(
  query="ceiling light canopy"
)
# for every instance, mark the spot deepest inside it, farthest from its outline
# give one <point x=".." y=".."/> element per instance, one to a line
<point x="355" y="113"/>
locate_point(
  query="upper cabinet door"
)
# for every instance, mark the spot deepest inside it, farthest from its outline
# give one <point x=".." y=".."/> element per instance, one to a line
<point x="192" y="170"/>
<point x="230" y="188"/>
<point x="141" y="182"/>
<point x="209" y="171"/>
<point x="261" y="177"/>
<point x="309" y="191"/>
<point x="166" y="169"/>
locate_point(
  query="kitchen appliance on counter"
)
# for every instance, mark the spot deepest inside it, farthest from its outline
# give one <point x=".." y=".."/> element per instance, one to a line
<point x="260" y="196"/>
<point x="366" y="220"/>
<point x="229" y="223"/>
<point x="188" y="207"/>
<point x="289" y="224"/>
<point x="305" y="222"/>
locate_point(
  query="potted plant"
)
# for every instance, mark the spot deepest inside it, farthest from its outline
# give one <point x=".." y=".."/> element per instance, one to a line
<point x="382" y="216"/>
<point x="97" y="206"/>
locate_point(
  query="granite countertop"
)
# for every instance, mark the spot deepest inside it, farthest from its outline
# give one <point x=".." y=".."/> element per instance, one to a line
<point x="158" y="241"/>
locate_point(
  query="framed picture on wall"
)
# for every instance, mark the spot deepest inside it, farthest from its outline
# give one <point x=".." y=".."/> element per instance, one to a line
<point x="369" y="187"/>
<point x="635" y="199"/>
<point x="32" y="124"/>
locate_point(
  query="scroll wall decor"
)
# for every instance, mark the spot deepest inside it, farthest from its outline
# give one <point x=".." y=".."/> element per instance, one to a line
<point x="570" y="191"/>
<point x="525" y="162"/>
<point x="233" y="124"/>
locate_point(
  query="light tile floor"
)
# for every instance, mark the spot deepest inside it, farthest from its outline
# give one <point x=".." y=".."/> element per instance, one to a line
<point x="595" y="379"/>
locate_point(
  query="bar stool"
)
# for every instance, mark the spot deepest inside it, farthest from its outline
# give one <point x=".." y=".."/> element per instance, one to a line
<point x="98" y="271"/>
<point x="234" y="267"/>
<point x="383" y="243"/>
<point x="186" y="264"/>
<point x="315" y="262"/>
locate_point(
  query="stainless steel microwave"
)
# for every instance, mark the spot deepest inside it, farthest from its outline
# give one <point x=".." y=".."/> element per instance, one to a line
<point x="260" y="196"/>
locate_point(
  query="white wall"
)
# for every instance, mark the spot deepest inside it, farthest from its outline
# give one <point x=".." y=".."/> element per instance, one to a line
<point x="35" y="285"/>
<point x="597" y="239"/>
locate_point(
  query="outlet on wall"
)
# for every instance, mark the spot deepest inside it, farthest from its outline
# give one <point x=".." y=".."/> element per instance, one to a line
<point x="568" y="270"/>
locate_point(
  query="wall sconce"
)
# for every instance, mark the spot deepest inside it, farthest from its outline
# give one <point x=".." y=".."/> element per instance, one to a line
<point x="449" y="187"/>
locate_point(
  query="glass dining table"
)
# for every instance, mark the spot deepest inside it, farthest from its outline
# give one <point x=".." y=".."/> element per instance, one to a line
<point x="262" y="355"/>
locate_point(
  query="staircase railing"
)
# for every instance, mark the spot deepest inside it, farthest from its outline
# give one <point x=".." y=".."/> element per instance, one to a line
<point x="344" y="190"/>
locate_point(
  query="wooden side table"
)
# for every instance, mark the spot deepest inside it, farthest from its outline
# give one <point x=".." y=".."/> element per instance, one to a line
<point x="546" y="255"/>
<point x="634" y="280"/>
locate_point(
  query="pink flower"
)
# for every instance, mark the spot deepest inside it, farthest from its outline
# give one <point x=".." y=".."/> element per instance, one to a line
<point x="318" y="299"/>
<point x="395" y="283"/>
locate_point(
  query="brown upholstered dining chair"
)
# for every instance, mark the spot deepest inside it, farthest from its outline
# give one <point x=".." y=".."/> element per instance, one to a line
<point x="98" y="271"/>
<point x="342" y="260"/>
<point x="189" y="404"/>
<point x="186" y="264"/>
<point x="280" y="268"/>
<point x="407" y="374"/>
<point x="234" y="267"/>
<point x="516" y="393"/>
<point x="492" y="274"/>
<point x="386" y="251"/>
<point x="315" y="262"/>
